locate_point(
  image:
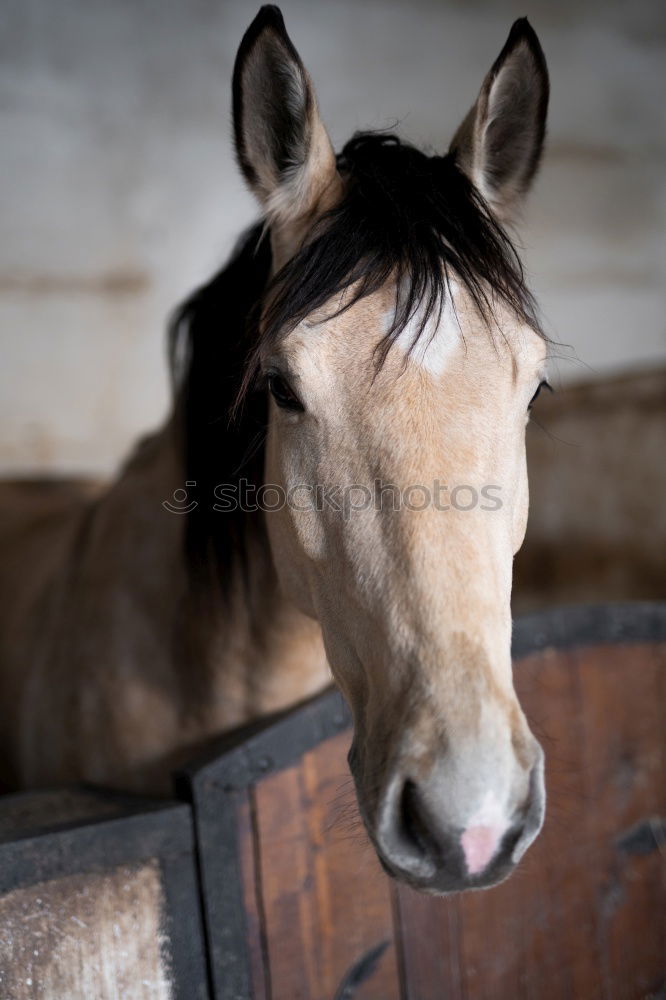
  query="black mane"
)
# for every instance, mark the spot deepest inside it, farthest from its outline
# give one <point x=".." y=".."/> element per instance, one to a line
<point x="405" y="217"/>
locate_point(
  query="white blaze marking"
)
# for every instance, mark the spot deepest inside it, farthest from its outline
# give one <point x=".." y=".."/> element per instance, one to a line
<point x="438" y="340"/>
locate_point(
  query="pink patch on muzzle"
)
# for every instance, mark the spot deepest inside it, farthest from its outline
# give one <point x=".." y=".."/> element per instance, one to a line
<point x="479" y="844"/>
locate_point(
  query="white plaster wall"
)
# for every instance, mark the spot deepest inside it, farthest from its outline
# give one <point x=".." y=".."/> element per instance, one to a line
<point x="118" y="190"/>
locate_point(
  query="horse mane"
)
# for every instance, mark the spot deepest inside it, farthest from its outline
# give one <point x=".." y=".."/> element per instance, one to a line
<point x="405" y="217"/>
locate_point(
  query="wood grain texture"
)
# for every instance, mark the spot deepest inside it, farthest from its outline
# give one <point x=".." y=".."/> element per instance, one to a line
<point x="579" y="918"/>
<point x="326" y="902"/>
<point x="250" y="872"/>
<point x="623" y="709"/>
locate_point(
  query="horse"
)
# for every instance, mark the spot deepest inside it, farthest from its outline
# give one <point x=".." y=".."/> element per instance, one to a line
<point x="339" y="489"/>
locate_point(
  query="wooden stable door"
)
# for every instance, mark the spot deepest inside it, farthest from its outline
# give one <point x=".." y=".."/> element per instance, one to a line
<point x="298" y="907"/>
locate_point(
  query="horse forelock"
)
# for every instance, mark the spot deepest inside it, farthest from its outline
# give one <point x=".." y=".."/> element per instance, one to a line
<point x="405" y="218"/>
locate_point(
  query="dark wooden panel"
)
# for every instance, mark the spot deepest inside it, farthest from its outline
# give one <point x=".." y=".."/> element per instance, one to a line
<point x="533" y="936"/>
<point x="304" y="899"/>
<point x="321" y="879"/>
<point x="429" y="934"/>
<point x="581" y="917"/>
<point x="220" y="786"/>
<point x="580" y="626"/>
<point x="623" y="721"/>
<point x="254" y="910"/>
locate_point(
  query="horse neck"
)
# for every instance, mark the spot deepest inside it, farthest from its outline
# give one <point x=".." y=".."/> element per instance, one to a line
<point x="234" y="652"/>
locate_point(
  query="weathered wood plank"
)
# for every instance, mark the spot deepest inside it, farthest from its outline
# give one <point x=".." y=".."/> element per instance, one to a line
<point x="533" y="936"/>
<point x="429" y="936"/>
<point x="322" y="882"/>
<point x="623" y="721"/>
<point x="253" y="924"/>
<point x="86" y="936"/>
<point x="580" y="917"/>
<point x="104" y="904"/>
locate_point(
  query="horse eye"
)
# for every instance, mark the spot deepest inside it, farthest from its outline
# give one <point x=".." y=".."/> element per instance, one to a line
<point x="282" y="393"/>
<point x="541" y="385"/>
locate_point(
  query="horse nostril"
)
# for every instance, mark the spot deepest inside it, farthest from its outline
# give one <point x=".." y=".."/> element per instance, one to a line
<point x="413" y="819"/>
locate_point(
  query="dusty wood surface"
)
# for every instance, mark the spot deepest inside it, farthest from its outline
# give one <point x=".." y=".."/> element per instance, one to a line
<point x="99" y="898"/>
<point x="583" y="915"/>
<point x="85" y="937"/>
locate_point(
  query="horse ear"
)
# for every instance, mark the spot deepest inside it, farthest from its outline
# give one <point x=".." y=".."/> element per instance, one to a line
<point x="281" y="144"/>
<point x="500" y="141"/>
